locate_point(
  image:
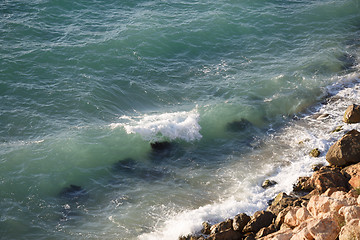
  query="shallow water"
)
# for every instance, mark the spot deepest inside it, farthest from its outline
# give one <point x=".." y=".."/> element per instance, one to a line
<point x="85" y="88"/>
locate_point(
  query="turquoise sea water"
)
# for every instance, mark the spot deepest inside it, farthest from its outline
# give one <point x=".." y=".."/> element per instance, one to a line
<point x="86" y="86"/>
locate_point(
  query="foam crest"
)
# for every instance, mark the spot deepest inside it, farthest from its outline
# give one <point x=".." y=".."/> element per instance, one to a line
<point x="177" y="125"/>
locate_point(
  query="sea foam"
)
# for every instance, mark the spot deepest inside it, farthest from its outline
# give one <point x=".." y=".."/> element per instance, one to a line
<point x="288" y="160"/>
<point x="169" y="126"/>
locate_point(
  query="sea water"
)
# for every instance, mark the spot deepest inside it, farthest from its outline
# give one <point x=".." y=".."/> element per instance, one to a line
<point x="241" y="90"/>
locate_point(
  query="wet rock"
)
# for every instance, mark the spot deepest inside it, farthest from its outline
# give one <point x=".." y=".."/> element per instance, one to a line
<point x="280" y="202"/>
<point x="352" y="114"/>
<point x="222" y="226"/>
<point x="238" y="125"/>
<point x="328" y="177"/>
<point x="240" y="221"/>
<point x="315" y="152"/>
<point x="206" y="228"/>
<point x="337" y="129"/>
<point x="259" y="220"/>
<point x="352" y="172"/>
<point x="351" y="230"/>
<point x="160" y="146"/>
<point x="268" y="183"/>
<point x="316" y="167"/>
<point x="303" y="184"/>
<point x="345" y="151"/>
<point x="228" y="234"/>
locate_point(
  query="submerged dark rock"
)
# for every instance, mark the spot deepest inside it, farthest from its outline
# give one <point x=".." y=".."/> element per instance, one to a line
<point x="160" y="146"/>
<point x="73" y="192"/>
<point x="238" y="125"/>
<point x="268" y="183"/>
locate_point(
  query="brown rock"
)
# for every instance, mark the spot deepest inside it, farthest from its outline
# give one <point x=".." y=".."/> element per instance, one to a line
<point x="284" y="234"/>
<point x="303" y="184"/>
<point x="351" y="230"/>
<point x="353" y="173"/>
<point x="228" y="234"/>
<point x="319" y="205"/>
<point x="280" y="202"/>
<point x="290" y="218"/>
<point x="268" y="183"/>
<point x="240" y="221"/>
<point x="259" y="220"/>
<point x="206" y="228"/>
<point x="266" y="231"/>
<point x="352" y="114"/>
<point x="249" y="236"/>
<point x="221" y="226"/>
<point x="345" y="151"/>
<point x="326" y="178"/>
<point x="281" y="217"/>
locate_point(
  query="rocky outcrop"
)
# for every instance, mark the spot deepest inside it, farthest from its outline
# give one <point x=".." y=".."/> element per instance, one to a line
<point x="345" y="151"/>
<point x="259" y="220"/>
<point x="352" y="114"/>
<point x="353" y="174"/>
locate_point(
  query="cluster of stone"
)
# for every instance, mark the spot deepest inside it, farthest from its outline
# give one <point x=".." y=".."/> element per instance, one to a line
<point x="325" y="206"/>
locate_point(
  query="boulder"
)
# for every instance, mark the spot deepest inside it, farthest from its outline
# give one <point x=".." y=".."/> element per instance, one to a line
<point x="352" y="114"/>
<point x="268" y="183"/>
<point x="221" y="226"/>
<point x="228" y="234"/>
<point x="323" y="229"/>
<point x="266" y="231"/>
<point x="281" y="217"/>
<point x="291" y="219"/>
<point x="303" y="184"/>
<point x="259" y="220"/>
<point x="315" y="152"/>
<point x="280" y="202"/>
<point x="350" y="212"/>
<point x="319" y="205"/>
<point x="326" y="178"/>
<point x="206" y="228"/>
<point x="352" y="172"/>
<point x="284" y="234"/>
<point x="346" y="150"/>
<point x="240" y="221"/>
<point x="351" y="230"/>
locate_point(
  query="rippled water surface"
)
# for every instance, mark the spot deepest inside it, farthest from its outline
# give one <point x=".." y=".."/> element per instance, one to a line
<point x="87" y="86"/>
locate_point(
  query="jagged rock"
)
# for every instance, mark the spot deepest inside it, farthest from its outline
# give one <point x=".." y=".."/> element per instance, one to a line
<point x="316" y="167"/>
<point x="249" y="236"/>
<point x="240" y="221"/>
<point x="319" y="205"/>
<point x="323" y="229"/>
<point x="353" y="174"/>
<point x="268" y="183"/>
<point x="221" y="226"/>
<point x="281" y="201"/>
<point x="350" y="212"/>
<point x="345" y="151"/>
<point x="315" y="152"/>
<point x="259" y="220"/>
<point x="281" y="217"/>
<point x="206" y="228"/>
<point x="228" y="234"/>
<point x="352" y="114"/>
<point x="326" y="178"/>
<point x="351" y="230"/>
<point x="303" y="184"/>
<point x="266" y="231"/>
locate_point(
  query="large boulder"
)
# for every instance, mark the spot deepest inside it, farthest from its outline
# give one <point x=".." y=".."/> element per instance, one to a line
<point x="221" y="226"/>
<point x="259" y="220"/>
<point x="228" y="234"/>
<point x="353" y="173"/>
<point x="345" y="151"/>
<point x="352" y="114"/>
<point x="280" y="202"/>
<point x="351" y="230"/>
<point x="240" y="221"/>
<point x="328" y="177"/>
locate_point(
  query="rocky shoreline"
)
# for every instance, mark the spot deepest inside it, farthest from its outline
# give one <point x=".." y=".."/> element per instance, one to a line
<point x="325" y="206"/>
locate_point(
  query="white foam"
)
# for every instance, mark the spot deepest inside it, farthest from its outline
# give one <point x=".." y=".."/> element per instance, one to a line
<point x="288" y="158"/>
<point x="177" y="125"/>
